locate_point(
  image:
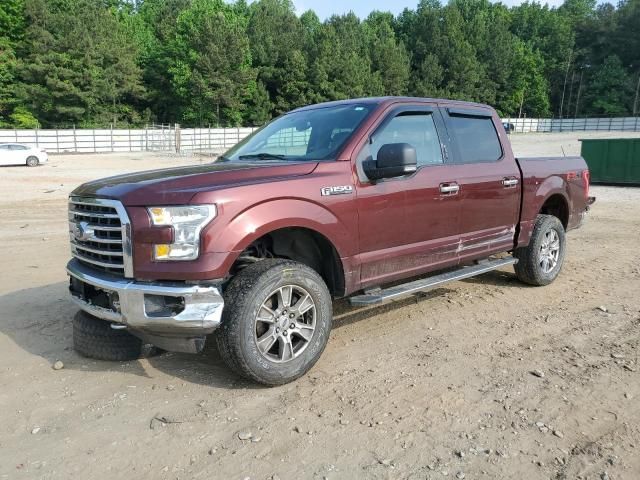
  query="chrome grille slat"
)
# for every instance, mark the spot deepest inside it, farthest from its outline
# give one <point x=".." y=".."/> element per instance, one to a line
<point x="111" y="253"/>
<point x="100" y="234"/>
<point x="94" y="214"/>
<point x="96" y="262"/>
<point x="89" y="202"/>
<point x="111" y="241"/>
<point x="102" y="228"/>
<point x="105" y="228"/>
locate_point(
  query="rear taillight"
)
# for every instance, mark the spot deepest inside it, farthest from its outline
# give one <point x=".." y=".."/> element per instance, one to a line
<point x="585" y="182"/>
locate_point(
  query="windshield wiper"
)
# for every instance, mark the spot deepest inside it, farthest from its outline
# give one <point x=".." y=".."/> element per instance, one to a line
<point x="263" y="156"/>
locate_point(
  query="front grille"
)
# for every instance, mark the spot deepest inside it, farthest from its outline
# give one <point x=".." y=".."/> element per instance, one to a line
<point x="98" y="231"/>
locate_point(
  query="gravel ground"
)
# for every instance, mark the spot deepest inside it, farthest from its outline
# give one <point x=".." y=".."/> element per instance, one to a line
<point x="484" y="378"/>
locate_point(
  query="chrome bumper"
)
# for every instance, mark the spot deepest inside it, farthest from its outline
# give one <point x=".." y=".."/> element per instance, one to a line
<point x="200" y="313"/>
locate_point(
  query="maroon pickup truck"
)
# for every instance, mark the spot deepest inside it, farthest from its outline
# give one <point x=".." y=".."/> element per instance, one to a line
<point x="327" y="201"/>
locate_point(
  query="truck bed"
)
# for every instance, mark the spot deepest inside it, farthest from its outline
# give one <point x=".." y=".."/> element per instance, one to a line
<point x="564" y="177"/>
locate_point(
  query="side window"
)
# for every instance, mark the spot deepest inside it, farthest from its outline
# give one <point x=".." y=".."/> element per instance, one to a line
<point x="17" y="147"/>
<point x="476" y="137"/>
<point x="415" y="128"/>
<point x="4" y="147"/>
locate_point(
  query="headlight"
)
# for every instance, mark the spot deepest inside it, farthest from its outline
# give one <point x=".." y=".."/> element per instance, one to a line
<point x="187" y="222"/>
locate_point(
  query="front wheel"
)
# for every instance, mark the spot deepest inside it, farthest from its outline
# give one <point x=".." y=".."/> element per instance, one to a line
<point x="276" y="321"/>
<point x="540" y="262"/>
<point x="33" y="161"/>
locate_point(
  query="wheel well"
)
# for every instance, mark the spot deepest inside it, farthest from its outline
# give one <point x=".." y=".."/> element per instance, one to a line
<point x="557" y="206"/>
<point x="301" y="245"/>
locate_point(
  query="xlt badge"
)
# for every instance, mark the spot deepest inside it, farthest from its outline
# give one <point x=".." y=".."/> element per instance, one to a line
<point x="337" y="190"/>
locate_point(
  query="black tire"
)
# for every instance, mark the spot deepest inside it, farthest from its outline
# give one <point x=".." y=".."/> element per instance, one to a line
<point x="94" y="338"/>
<point x="244" y="297"/>
<point x="529" y="268"/>
<point x="33" y="161"/>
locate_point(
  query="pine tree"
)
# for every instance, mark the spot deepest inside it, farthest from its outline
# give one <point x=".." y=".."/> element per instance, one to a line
<point x="389" y="57"/>
<point x="211" y="71"/>
<point x="80" y="66"/>
<point x="609" y="91"/>
<point x="12" y="27"/>
<point x="274" y="32"/>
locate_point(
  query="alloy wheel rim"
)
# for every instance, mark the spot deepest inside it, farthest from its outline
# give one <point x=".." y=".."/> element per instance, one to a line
<point x="549" y="251"/>
<point x="285" y="324"/>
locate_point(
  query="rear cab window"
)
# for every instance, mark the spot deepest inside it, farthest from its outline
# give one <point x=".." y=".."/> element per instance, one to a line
<point x="474" y="135"/>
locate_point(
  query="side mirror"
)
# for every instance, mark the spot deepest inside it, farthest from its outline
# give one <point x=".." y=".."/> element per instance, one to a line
<point x="394" y="160"/>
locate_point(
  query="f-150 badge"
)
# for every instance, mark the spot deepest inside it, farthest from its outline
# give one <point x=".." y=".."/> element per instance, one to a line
<point x="337" y="190"/>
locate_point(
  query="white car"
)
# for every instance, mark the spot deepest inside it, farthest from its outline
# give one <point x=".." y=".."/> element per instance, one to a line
<point x="18" y="154"/>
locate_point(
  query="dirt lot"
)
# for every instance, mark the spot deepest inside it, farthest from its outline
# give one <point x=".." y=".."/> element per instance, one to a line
<point x="437" y="386"/>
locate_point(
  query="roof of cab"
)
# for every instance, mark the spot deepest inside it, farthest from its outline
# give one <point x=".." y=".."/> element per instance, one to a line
<point x="384" y="101"/>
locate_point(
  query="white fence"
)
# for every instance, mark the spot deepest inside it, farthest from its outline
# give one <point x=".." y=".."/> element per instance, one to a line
<point x="529" y="125"/>
<point x="156" y="138"/>
<point x="210" y="139"/>
<point x="172" y="138"/>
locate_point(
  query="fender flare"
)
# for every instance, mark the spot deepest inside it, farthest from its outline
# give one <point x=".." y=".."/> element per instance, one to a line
<point x="258" y="220"/>
<point x="554" y="185"/>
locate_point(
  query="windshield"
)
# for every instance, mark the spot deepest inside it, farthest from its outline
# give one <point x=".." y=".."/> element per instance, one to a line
<point x="316" y="134"/>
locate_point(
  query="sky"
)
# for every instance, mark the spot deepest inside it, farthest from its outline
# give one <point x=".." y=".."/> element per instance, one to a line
<point x="362" y="8"/>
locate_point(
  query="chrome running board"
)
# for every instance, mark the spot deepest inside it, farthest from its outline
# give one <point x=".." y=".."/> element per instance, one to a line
<point x="378" y="296"/>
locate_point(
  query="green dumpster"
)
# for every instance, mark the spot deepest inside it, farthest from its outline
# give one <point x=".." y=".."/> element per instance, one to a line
<point x="613" y="160"/>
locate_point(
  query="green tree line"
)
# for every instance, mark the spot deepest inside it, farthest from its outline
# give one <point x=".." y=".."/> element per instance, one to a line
<point x="210" y="62"/>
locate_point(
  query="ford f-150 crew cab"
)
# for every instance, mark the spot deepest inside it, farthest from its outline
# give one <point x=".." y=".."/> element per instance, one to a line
<point x="331" y="200"/>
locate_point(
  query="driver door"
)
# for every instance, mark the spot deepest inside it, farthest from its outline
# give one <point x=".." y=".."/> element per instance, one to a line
<point x="411" y="224"/>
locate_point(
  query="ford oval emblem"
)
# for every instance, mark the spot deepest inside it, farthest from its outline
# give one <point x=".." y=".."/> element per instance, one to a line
<point x="83" y="231"/>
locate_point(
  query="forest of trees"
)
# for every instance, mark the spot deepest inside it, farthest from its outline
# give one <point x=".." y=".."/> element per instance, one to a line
<point x="209" y="62"/>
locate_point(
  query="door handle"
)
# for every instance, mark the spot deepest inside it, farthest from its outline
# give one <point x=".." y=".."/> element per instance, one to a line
<point x="510" y="182"/>
<point x="449" y="188"/>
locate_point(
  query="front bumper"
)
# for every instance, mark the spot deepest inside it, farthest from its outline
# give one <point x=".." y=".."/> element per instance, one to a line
<point x="194" y="310"/>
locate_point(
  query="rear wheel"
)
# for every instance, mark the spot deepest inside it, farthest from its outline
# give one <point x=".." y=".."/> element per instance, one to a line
<point x="276" y="321"/>
<point x="32" y="161"/>
<point x="94" y="338"/>
<point x="540" y="262"/>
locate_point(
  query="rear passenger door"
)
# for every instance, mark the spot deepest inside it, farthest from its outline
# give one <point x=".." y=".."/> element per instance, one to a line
<point x="489" y="181"/>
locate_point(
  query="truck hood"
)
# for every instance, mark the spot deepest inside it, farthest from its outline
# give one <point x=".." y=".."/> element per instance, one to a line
<point x="175" y="186"/>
